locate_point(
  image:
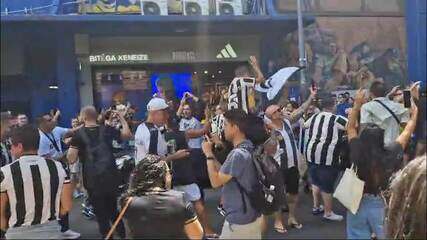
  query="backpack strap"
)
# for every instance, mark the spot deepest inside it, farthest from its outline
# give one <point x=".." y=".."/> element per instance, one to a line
<point x="389" y="110"/>
<point x="259" y="173"/>
<point x="52" y="140"/>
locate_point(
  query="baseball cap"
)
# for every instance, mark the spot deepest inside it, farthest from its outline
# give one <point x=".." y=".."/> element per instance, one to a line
<point x="156" y="104"/>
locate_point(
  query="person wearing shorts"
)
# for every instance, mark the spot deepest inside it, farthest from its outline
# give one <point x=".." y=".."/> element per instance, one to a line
<point x="75" y="173"/>
<point x="291" y="180"/>
<point x="192" y="192"/>
<point x="323" y="177"/>
<point x="324" y="133"/>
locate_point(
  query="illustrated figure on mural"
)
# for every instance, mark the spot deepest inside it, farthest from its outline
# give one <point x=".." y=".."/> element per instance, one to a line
<point x="332" y="68"/>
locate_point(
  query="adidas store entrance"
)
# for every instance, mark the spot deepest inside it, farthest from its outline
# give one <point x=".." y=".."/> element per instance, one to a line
<point x="130" y="69"/>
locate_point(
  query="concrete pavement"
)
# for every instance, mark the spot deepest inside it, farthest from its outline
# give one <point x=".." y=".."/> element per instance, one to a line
<point x="314" y="227"/>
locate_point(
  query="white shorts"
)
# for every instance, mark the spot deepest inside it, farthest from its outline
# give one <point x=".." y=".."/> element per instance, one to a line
<point x="192" y="191"/>
<point x="75" y="167"/>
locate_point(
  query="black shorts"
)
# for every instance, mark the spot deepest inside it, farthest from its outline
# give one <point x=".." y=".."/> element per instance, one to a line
<point x="324" y="177"/>
<point x="291" y="180"/>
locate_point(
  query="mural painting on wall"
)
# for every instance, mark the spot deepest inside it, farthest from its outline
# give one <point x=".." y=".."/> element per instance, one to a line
<point x="349" y="53"/>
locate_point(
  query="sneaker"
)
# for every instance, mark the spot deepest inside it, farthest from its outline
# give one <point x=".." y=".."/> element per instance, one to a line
<point x="333" y="217"/>
<point x="221" y="210"/>
<point x="77" y="194"/>
<point x="88" y="213"/>
<point x="70" y="234"/>
<point x="317" y="211"/>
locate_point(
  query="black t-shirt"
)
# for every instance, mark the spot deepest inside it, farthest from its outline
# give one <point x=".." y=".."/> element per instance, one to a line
<point x="102" y="169"/>
<point x="199" y="110"/>
<point x="160" y="215"/>
<point x="110" y="134"/>
<point x="376" y="172"/>
<point x="182" y="170"/>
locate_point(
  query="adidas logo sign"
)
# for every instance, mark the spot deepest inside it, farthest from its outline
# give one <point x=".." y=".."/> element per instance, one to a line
<point x="227" y="52"/>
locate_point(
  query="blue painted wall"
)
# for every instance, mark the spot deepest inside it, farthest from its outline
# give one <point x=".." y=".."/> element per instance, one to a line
<point x="49" y="60"/>
<point x="416" y="32"/>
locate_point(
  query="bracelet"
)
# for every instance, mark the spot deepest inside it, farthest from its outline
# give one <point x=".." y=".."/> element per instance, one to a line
<point x="210" y="158"/>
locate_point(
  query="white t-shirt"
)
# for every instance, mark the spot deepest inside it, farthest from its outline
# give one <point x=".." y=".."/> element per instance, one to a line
<point x="46" y="146"/>
<point x="142" y="142"/>
<point x="192" y="123"/>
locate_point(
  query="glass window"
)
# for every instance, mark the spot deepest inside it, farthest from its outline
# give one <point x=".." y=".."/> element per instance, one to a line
<point x="385" y="6"/>
<point x="340" y="6"/>
<point x="291" y="5"/>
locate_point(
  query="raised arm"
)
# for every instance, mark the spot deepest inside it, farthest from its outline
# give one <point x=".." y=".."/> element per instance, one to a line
<point x="259" y="77"/>
<point x="405" y="136"/>
<point x="354" y="114"/>
<point x="297" y="114"/>
<point x="125" y="132"/>
<point x="56" y="116"/>
<point x="181" y="105"/>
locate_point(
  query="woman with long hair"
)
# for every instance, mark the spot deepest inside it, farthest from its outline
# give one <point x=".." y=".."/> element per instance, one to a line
<point x="406" y="216"/>
<point x="375" y="163"/>
<point x="155" y="211"/>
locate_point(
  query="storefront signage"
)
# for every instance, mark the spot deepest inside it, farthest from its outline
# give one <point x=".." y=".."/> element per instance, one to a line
<point x="115" y="58"/>
<point x="227" y="52"/>
<point x="160" y="50"/>
<point x="183" y="56"/>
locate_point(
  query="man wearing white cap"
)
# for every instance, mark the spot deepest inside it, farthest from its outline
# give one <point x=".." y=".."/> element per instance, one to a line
<point x="149" y="136"/>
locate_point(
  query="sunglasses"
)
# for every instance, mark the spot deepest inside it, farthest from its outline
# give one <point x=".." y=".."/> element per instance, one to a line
<point x="279" y="109"/>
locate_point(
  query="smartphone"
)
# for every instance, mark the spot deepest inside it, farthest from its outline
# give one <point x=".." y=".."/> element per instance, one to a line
<point x="313" y="85"/>
<point x="407" y="98"/>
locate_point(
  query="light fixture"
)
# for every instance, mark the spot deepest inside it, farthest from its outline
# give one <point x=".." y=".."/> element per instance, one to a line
<point x="195" y="72"/>
<point x="53" y="87"/>
<point x="206" y="72"/>
<point x="219" y="71"/>
<point x="213" y="76"/>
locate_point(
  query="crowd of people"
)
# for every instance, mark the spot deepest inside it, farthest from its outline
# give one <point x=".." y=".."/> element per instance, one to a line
<point x="257" y="155"/>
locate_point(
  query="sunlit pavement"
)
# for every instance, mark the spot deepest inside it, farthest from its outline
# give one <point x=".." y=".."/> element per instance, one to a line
<point x="314" y="227"/>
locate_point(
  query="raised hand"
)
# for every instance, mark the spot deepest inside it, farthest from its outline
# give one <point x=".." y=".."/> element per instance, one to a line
<point x="360" y="98"/>
<point x="415" y="90"/>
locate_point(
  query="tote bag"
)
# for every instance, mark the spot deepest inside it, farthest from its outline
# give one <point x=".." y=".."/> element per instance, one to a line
<point x="350" y="190"/>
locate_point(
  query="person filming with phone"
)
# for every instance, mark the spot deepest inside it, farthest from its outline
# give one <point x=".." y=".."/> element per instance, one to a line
<point x="387" y="114"/>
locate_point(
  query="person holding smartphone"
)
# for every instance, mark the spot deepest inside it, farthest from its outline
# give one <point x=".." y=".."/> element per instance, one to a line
<point x="385" y="113"/>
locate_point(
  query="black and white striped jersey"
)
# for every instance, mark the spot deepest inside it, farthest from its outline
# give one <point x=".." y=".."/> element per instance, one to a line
<point x="217" y="125"/>
<point x="238" y="92"/>
<point x="324" y="131"/>
<point x="302" y="138"/>
<point x="33" y="185"/>
<point x="288" y="143"/>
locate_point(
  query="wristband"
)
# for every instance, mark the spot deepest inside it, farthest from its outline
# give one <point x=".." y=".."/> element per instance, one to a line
<point x="210" y="158"/>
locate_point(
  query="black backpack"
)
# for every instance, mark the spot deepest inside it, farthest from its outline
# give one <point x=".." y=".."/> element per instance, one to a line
<point x="100" y="172"/>
<point x="267" y="194"/>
